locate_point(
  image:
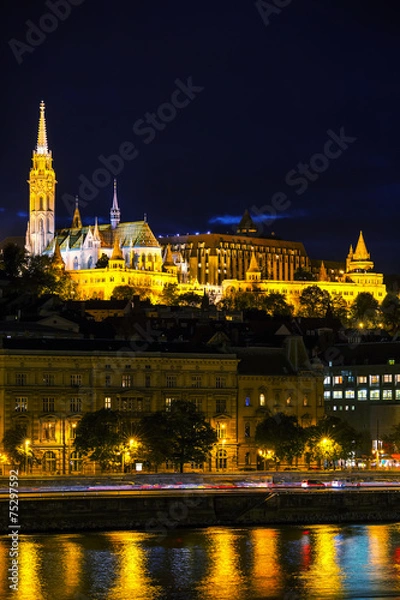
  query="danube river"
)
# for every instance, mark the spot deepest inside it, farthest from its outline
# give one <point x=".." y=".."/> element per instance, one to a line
<point x="288" y="562"/>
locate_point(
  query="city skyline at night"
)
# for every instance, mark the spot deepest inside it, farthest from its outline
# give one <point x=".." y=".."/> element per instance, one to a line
<point x="216" y="109"/>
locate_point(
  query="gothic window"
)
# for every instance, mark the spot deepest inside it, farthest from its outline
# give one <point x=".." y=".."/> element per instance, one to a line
<point x="90" y="261"/>
<point x="76" y="264"/>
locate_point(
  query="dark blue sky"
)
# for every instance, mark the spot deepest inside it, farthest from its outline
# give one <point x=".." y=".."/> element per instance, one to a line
<point x="265" y="98"/>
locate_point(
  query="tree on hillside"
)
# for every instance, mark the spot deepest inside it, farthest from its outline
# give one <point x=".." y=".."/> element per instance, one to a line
<point x="365" y="310"/>
<point x="313" y="302"/>
<point x="276" y="305"/>
<point x="102" y="262"/>
<point x="282" y="435"/>
<point x="338" y="306"/>
<point x="390" y="311"/>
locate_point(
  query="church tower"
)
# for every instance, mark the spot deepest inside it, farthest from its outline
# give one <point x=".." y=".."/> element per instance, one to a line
<point x="115" y="213"/>
<point x="42" y="185"/>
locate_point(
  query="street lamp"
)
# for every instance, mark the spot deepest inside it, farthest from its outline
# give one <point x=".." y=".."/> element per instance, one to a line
<point x="27" y="442"/>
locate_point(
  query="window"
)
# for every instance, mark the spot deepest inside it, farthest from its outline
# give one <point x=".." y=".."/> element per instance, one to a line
<point x="126" y="404"/>
<point x="126" y="380"/>
<point x="262" y="399"/>
<point x="397" y="379"/>
<point x="48" y="379"/>
<point x="147" y="380"/>
<point x="48" y="404"/>
<point x="75" y="462"/>
<point x="289" y="401"/>
<point x="48" y="431"/>
<point x="361" y="379"/>
<point x="337" y="395"/>
<point x="349" y="394"/>
<point x="220" y="382"/>
<point x="171" y="381"/>
<point x="337" y="380"/>
<point x="220" y="405"/>
<point x="128" y="366"/>
<point x="107" y="402"/>
<point x="196" y="381"/>
<point x="397" y="394"/>
<point x="75" y="405"/>
<point x="107" y="380"/>
<point x="168" y="404"/>
<point x="374" y="380"/>
<point x="221" y="430"/>
<point x="350" y="378"/>
<point x="49" y="462"/>
<point x="387" y="378"/>
<point x="76" y="379"/>
<point x="387" y="395"/>
<point x="222" y="459"/>
<point x="327" y="395"/>
<point x="247" y="430"/>
<point x="139" y="404"/>
<point x="305" y="401"/>
<point x="362" y="394"/>
<point x="247" y="401"/>
<point x="72" y="431"/>
<point x="20" y="378"/>
<point x="21" y="404"/>
<point x="327" y="380"/>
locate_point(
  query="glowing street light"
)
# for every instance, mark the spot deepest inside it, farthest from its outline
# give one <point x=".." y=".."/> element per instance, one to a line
<point x="27" y="442"/>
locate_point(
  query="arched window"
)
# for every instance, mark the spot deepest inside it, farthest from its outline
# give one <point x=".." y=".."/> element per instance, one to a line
<point x="48" y="431"/>
<point x="262" y="399"/>
<point x="90" y="262"/>
<point x="76" y="264"/>
<point x="222" y="459"/>
<point x="49" y="462"/>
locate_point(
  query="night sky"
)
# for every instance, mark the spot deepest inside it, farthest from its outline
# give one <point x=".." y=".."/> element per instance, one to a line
<point x="258" y="94"/>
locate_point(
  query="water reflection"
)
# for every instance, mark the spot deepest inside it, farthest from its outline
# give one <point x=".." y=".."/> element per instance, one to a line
<point x="291" y="563"/>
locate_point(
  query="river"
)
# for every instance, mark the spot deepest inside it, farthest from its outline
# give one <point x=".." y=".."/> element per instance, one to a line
<point x="288" y="562"/>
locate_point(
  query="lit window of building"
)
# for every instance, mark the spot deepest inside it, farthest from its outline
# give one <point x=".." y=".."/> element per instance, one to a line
<point x="362" y="395"/>
<point x="168" y="404"/>
<point x="337" y="394"/>
<point x="350" y="394"/>
<point x="397" y="394"/>
<point x="126" y="380"/>
<point x="327" y="395"/>
<point x="247" y="401"/>
<point x="374" y="395"/>
<point x="107" y="402"/>
<point x="387" y="395"/>
<point x="387" y="378"/>
<point x="49" y="431"/>
<point x="221" y="430"/>
<point x="397" y="379"/>
<point x="262" y="399"/>
<point x="327" y="380"/>
<point x="374" y="380"/>
<point x="361" y="379"/>
<point x="21" y="404"/>
<point x="337" y="380"/>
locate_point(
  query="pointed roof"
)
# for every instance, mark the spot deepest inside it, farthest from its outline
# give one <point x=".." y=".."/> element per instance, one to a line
<point x="57" y="258"/>
<point x="246" y="224"/>
<point x="361" y="252"/>
<point x="76" y="218"/>
<point x="115" y="199"/>
<point x="168" y="258"/>
<point x="117" y="253"/>
<point x="322" y="276"/>
<point x="41" y="147"/>
<point x="253" y="267"/>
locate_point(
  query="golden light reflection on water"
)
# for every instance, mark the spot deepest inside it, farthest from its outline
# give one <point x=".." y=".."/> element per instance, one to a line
<point x="224" y="579"/>
<point x="132" y="578"/>
<point x="324" y="573"/>
<point x="266" y="569"/>
<point x="30" y="585"/>
<point x="378" y="541"/>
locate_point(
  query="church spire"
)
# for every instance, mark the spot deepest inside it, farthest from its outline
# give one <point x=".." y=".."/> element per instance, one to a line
<point x="41" y="147"/>
<point x="76" y="219"/>
<point x="115" y="213"/>
<point x="361" y="251"/>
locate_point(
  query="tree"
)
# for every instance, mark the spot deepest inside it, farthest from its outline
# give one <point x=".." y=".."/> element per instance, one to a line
<point x="314" y="302"/>
<point x="13" y="260"/>
<point x="102" y="436"/>
<point x="169" y="294"/>
<point x="102" y="262"/>
<point x="365" y="310"/>
<point x="282" y="435"/>
<point x="154" y="436"/>
<point x="17" y="449"/>
<point x="275" y="304"/>
<point x="332" y="439"/>
<point x="181" y="434"/>
<point x="338" y="306"/>
<point x="303" y="275"/>
<point x="189" y="299"/>
<point x="390" y="310"/>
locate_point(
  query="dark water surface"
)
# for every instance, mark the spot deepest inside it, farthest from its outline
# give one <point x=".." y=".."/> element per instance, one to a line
<point x="288" y="562"/>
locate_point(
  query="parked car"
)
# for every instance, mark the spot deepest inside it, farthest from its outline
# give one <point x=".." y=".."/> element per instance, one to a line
<point x="312" y="483"/>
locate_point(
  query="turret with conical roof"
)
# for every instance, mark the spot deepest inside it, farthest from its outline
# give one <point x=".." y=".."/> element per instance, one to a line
<point x="253" y="273"/>
<point x="360" y="259"/>
<point x="246" y="225"/>
<point x="76" y="218"/>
